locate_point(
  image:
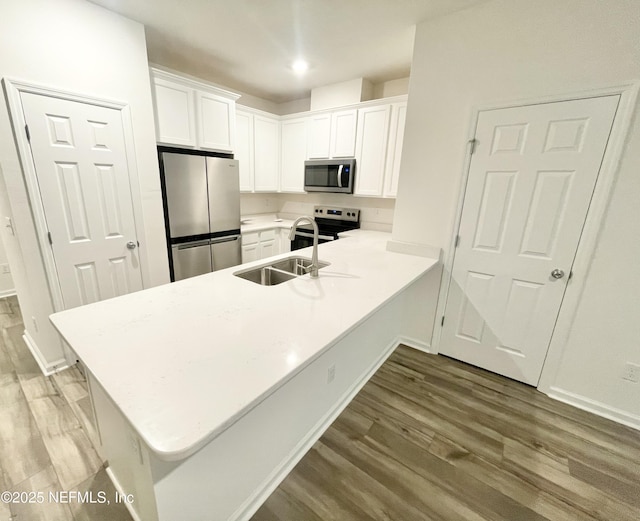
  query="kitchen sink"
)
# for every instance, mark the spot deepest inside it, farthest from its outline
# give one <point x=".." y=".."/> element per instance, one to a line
<point x="279" y="271"/>
<point x="266" y="276"/>
<point x="296" y="265"/>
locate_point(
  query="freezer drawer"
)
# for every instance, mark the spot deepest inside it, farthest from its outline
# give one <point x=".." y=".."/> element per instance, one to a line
<point x="225" y="252"/>
<point x="191" y="259"/>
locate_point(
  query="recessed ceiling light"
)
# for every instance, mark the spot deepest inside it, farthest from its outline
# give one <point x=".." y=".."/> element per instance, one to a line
<point x="299" y="66"/>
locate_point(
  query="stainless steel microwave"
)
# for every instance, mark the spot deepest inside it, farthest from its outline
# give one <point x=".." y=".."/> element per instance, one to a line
<point x="330" y="175"/>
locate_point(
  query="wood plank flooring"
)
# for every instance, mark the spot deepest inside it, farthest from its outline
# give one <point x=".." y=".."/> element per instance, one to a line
<point x="430" y="438"/>
<point x="427" y="438"/>
<point x="45" y="429"/>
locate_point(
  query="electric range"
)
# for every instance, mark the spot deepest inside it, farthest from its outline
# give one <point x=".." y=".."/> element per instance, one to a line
<point x="331" y="221"/>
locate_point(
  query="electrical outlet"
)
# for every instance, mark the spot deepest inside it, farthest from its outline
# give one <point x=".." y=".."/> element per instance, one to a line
<point x="5" y="268"/>
<point x="331" y="373"/>
<point x="631" y="372"/>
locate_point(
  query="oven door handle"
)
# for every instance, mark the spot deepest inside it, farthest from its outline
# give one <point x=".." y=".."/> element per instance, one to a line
<point x="310" y="236"/>
<point x="340" y="176"/>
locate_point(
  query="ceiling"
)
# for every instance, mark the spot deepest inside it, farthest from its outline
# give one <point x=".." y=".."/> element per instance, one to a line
<point x="249" y="45"/>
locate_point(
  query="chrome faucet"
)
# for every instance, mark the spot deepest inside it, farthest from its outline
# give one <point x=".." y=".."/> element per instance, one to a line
<point x="313" y="269"/>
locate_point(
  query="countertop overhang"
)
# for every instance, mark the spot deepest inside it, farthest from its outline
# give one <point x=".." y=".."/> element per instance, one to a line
<point x="186" y="360"/>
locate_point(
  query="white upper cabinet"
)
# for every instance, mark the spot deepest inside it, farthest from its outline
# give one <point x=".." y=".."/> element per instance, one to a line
<point x="293" y="153"/>
<point x="175" y="113"/>
<point x="192" y="114"/>
<point x="258" y="150"/>
<point x="371" y="149"/>
<point x="394" y="151"/>
<point x="332" y="134"/>
<point x="343" y="133"/>
<point x="266" y="153"/>
<point x="319" y="136"/>
<point x="217" y="122"/>
<point x="244" y="149"/>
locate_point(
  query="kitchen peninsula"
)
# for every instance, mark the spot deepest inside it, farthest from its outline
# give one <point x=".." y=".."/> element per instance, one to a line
<point x="209" y="390"/>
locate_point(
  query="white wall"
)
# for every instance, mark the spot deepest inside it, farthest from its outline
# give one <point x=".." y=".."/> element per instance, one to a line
<point x="76" y="46"/>
<point x="7" y="286"/>
<point x="506" y="50"/>
<point x="391" y="88"/>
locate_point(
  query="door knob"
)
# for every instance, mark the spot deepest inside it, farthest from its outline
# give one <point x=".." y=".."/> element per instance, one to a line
<point x="131" y="245"/>
<point x="557" y="274"/>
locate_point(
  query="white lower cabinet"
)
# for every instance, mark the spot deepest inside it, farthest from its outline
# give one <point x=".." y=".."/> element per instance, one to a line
<point x="285" y="242"/>
<point x="260" y="245"/>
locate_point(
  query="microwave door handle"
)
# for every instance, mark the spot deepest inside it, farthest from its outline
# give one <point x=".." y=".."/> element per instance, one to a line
<point x="340" y="176"/>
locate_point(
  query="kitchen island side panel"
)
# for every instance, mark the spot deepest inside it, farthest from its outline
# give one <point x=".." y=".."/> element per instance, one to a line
<point x="127" y="456"/>
<point x="234" y="474"/>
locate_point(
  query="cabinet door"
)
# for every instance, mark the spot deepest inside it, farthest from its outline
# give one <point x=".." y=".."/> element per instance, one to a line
<point x="244" y="149"/>
<point x="249" y="252"/>
<point x="371" y="149"/>
<point x="394" y="151"/>
<point x="266" y="150"/>
<point x="250" y="242"/>
<point x="268" y="248"/>
<point x="285" y="242"/>
<point x="293" y="154"/>
<point x="343" y="133"/>
<point x="319" y="136"/>
<point x="217" y="121"/>
<point x="175" y="113"/>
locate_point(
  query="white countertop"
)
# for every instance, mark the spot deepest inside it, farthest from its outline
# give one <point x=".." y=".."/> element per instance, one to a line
<point x="185" y="360"/>
<point x="259" y="222"/>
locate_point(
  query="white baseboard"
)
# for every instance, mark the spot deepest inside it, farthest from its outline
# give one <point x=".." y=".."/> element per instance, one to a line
<point x="7" y="293"/>
<point x="249" y="507"/>
<point x="601" y="409"/>
<point x="47" y="368"/>
<point x="416" y="344"/>
<point x="117" y="486"/>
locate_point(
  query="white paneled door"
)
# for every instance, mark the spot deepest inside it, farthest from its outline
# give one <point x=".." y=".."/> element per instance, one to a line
<point x="529" y="188"/>
<point x="81" y="166"/>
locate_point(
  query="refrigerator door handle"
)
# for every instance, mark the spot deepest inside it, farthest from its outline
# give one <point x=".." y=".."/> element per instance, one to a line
<point x="187" y="245"/>
<point x="228" y="238"/>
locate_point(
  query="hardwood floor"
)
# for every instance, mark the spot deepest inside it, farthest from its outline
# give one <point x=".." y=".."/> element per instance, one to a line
<point x="427" y="438"/>
<point x="430" y="438"/>
<point x="45" y="430"/>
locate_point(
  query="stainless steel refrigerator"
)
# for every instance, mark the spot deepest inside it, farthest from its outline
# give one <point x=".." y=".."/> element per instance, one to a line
<point x="202" y="212"/>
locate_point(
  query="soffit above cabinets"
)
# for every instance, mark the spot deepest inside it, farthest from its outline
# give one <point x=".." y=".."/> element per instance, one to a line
<point x="249" y="45"/>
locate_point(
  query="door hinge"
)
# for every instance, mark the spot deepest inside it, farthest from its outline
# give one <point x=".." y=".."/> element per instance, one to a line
<point x="457" y="243"/>
<point x="26" y="130"/>
<point x="473" y="142"/>
<point x="50" y="239"/>
<point x="442" y="321"/>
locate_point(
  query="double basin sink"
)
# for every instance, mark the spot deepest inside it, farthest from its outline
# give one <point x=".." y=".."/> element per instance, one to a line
<point x="279" y="271"/>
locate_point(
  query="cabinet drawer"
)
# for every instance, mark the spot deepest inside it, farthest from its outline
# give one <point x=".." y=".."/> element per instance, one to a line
<point x="250" y="238"/>
<point x="267" y="235"/>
